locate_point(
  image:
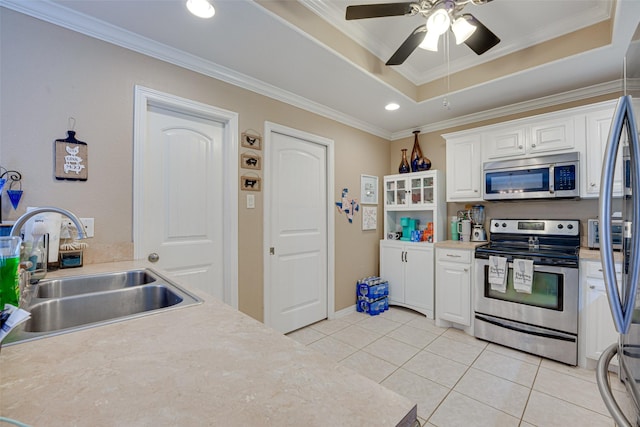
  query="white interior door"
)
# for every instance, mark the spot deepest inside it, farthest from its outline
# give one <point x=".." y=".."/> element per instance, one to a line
<point x="182" y="202"/>
<point x="299" y="262"/>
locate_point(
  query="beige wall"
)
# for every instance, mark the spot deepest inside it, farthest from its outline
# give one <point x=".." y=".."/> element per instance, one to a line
<point x="50" y="74"/>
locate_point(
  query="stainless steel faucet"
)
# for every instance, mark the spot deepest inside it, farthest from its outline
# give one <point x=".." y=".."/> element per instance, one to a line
<point x="20" y="222"/>
<point x="26" y="279"/>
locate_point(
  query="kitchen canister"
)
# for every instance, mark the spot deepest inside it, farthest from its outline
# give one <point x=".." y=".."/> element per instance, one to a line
<point x="454" y="228"/>
<point x="464" y="229"/>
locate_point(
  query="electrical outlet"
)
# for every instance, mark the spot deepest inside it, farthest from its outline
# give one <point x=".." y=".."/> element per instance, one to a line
<point x="88" y="225"/>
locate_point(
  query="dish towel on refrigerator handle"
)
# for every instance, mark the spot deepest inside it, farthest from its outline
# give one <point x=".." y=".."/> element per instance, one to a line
<point x="498" y="273"/>
<point x="522" y="275"/>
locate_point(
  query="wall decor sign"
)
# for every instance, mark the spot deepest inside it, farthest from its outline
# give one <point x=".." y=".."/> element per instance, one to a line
<point x="369" y="189"/>
<point x="71" y="158"/>
<point x="347" y="205"/>
<point x="369" y="217"/>
<point x="250" y="160"/>
<point x="250" y="140"/>
<point x="250" y="183"/>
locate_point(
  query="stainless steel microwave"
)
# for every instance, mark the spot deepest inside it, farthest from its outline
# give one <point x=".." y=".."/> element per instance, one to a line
<point x="541" y="177"/>
<point x="593" y="234"/>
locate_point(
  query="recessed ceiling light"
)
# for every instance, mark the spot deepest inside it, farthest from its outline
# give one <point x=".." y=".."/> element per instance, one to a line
<point x="391" y="106"/>
<point x="201" y="8"/>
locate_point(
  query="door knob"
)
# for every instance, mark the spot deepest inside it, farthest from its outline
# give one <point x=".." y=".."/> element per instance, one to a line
<point x="153" y="257"/>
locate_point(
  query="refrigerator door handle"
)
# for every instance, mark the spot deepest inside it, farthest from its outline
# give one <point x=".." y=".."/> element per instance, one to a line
<point x="621" y="306"/>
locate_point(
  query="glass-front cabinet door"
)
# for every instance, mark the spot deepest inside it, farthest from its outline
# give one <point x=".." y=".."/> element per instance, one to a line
<point x="410" y="190"/>
<point x="422" y="190"/>
<point x="396" y="192"/>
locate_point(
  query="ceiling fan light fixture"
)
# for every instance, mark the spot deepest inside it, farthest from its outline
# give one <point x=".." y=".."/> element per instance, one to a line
<point x="430" y="42"/>
<point x="201" y="8"/>
<point x="438" y="22"/>
<point x="462" y="29"/>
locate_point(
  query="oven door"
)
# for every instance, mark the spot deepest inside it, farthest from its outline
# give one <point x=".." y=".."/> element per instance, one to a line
<point x="552" y="304"/>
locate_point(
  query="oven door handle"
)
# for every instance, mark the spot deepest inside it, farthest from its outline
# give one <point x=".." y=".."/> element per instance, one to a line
<point x="621" y="306"/>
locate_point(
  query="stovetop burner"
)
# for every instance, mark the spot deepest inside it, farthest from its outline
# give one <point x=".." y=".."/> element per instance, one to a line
<point x="546" y="242"/>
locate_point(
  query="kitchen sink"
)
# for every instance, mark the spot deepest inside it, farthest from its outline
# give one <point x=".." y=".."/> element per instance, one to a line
<point x="78" y="302"/>
<point x="63" y="313"/>
<point x="55" y="288"/>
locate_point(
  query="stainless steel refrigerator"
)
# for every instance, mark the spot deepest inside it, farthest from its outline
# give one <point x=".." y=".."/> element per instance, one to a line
<point x="624" y="295"/>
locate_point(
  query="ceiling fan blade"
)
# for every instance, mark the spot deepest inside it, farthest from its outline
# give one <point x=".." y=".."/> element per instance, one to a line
<point x="409" y="45"/>
<point x="482" y="38"/>
<point x="378" y="10"/>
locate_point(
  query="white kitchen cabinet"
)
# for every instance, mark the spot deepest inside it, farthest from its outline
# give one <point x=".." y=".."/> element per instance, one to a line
<point x="417" y="195"/>
<point x="597" y="123"/>
<point x="464" y="167"/>
<point x="509" y="141"/>
<point x="453" y="286"/>
<point x="408" y="267"/>
<point x="525" y="138"/>
<point x="598" y="331"/>
<point x="552" y="136"/>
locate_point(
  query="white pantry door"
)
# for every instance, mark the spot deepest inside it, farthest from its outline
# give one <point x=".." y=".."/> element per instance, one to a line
<point x="182" y="192"/>
<point x="297" y="267"/>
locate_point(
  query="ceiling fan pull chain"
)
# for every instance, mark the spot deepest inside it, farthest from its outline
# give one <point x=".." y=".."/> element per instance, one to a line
<point x="445" y="101"/>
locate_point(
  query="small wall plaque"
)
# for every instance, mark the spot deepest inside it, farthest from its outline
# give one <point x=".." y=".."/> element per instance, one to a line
<point x="71" y="158"/>
<point x="250" y="183"/>
<point x="250" y="160"/>
<point x="251" y="141"/>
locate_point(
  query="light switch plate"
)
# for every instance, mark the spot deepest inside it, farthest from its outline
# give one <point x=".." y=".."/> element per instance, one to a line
<point x="251" y="201"/>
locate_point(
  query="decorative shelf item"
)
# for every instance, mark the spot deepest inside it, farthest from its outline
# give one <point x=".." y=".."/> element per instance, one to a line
<point x="419" y="163"/>
<point x="9" y="178"/>
<point x="404" y="164"/>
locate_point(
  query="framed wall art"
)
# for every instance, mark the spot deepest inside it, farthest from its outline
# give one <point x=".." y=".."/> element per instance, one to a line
<point x="250" y="160"/>
<point x="369" y="217"/>
<point x="368" y="189"/>
<point x="250" y="183"/>
<point x="251" y="141"/>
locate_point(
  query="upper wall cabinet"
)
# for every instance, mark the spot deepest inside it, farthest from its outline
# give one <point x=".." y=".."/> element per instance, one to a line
<point x="597" y="123"/>
<point x="525" y="138"/>
<point x="508" y="141"/>
<point x="464" y="167"/>
<point x="582" y="129"/>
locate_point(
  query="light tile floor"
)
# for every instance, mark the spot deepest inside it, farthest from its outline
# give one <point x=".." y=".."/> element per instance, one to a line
<point x="456" y="379"/>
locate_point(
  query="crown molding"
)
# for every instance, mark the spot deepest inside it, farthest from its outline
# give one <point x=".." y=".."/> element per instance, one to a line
<point x="56" y="14"/>
<point x="521" y="107"/>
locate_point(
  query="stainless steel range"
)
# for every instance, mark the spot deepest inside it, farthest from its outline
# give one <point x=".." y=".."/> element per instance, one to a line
<point x="543" y="318"/>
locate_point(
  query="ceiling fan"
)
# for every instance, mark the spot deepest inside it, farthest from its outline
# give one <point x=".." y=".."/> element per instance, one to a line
<point x="440" y="15"/>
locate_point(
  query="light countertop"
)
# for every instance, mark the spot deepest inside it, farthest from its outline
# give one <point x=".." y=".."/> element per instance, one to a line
<point x="201" y="365"/>
<point x="456" y="244"/>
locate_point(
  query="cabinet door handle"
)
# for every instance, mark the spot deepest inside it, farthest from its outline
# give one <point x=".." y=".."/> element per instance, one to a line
<point x="405" y="256"/>
<point x="453" y="256"/>
<point x="593" y="184"/>
<point x="592" y="286"/>
<point x="520" y="147"/>
<point x="465" y="269"/>
<point x="533" y="145"/>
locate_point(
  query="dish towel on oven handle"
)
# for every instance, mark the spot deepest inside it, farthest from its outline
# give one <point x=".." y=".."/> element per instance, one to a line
<point x="498" y="273"/>
<point x="522" y="275"/>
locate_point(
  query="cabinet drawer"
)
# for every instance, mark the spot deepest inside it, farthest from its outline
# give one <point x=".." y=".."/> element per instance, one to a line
<point x="594" y="269"/>
<point x="454" y="255"/>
